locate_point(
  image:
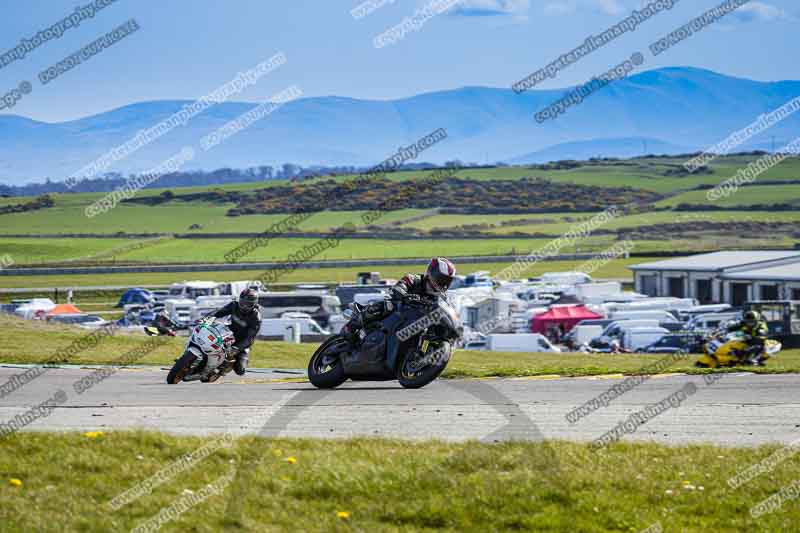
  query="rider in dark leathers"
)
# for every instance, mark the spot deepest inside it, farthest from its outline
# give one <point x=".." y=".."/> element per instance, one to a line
<point x="433" y="283"/>
<point x="245" y="324"/>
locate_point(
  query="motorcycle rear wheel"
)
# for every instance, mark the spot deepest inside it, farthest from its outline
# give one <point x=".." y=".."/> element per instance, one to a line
<point x="325" y="370"/>
<point x="181" y="368"/>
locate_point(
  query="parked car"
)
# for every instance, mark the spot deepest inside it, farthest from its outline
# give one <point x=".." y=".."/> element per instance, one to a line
<point x="675" y="343"/>
<point x="81" y="320"/>
<point x="35" y="308"/>
<point x="159" y="295"/>
<point x="479" y="344"/>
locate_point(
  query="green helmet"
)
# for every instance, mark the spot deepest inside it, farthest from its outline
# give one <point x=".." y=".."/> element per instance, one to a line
<point x="751" y="317"/>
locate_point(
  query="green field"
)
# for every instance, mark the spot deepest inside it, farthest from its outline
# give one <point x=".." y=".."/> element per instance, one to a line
<point x="178" y="217"/>
<point x="37" y="250"/>
<point x="756" y="194"/>
<point x="67" y="217"/>
<point x="62" y="482"/>
<point x="70" y="218"/>
<point x="559" y="223"/>
<point x="616" y="269"/>
<point x="40" y="250"/>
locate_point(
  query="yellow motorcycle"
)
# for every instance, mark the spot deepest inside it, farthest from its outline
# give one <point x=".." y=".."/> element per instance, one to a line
<point x="724" y="348"/>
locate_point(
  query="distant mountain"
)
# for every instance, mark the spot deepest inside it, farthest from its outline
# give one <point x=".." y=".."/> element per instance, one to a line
<point x="682" y="109"/>
<point x="583" y="150"/>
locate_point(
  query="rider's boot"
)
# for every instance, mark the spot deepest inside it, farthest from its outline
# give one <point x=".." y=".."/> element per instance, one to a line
<point x="242" y="358"/>
<point x="754" y="355"/>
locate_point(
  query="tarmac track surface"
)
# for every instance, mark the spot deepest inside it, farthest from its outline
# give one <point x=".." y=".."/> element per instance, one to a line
<point x="739" y="409"/>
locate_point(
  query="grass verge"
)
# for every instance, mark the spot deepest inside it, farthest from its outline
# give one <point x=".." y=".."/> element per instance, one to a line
<point x="35" y="342"/>
<point x="68" y="479"/>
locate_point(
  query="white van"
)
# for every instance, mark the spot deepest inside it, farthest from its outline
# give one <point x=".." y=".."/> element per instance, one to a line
<point x="204" y="305"/>
<point x="234" y="288"/>
<point x="275" y="328"/>
<point x="615" y="329"/>
<point x="319" y="306"/>
<point x="191" y="290"/>
<point x="179" y="310"/>
<point x="519" y="342"/>
<point x="580" y="335"/>
<point x="660" y="316"/>
<point x="635" y="339"/>
<point x="710" y="321"/>
<point x="597" y="293"/>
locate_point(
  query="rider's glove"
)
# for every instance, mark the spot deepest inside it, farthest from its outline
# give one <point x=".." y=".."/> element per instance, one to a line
<point x="397" y="293"/>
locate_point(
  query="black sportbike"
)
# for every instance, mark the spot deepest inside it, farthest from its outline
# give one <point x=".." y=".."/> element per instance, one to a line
<point x="412" y="345"/>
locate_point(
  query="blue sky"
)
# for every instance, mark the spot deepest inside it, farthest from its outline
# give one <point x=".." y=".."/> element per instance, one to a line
<point x="185" y="48"/>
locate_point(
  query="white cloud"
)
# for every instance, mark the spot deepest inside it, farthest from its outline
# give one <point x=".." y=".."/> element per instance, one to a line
<point x="760" y="12"/>
<point x="560" y="8"/>
<point x="568" y="7"/>
<point x="485" y="8"/>
<point x="610" y="7"/>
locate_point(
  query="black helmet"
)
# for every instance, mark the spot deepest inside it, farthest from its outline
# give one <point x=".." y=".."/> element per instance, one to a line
<point x="439" y="275"/>
<point x="751" y="317"/>
<point x="248" y="299"/>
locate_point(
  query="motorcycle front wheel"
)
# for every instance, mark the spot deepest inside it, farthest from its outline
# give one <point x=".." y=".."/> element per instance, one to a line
<point x="325" y="369"/>
<point x="411" y="376"/>
<point x="181" y="368"/>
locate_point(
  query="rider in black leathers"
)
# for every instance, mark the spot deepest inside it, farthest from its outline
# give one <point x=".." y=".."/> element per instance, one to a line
<point x="433" y="283"/>
<point x="245" y="324"/>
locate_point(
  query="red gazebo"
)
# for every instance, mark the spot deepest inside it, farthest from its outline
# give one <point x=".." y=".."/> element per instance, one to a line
<point x="561" y="315"/>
